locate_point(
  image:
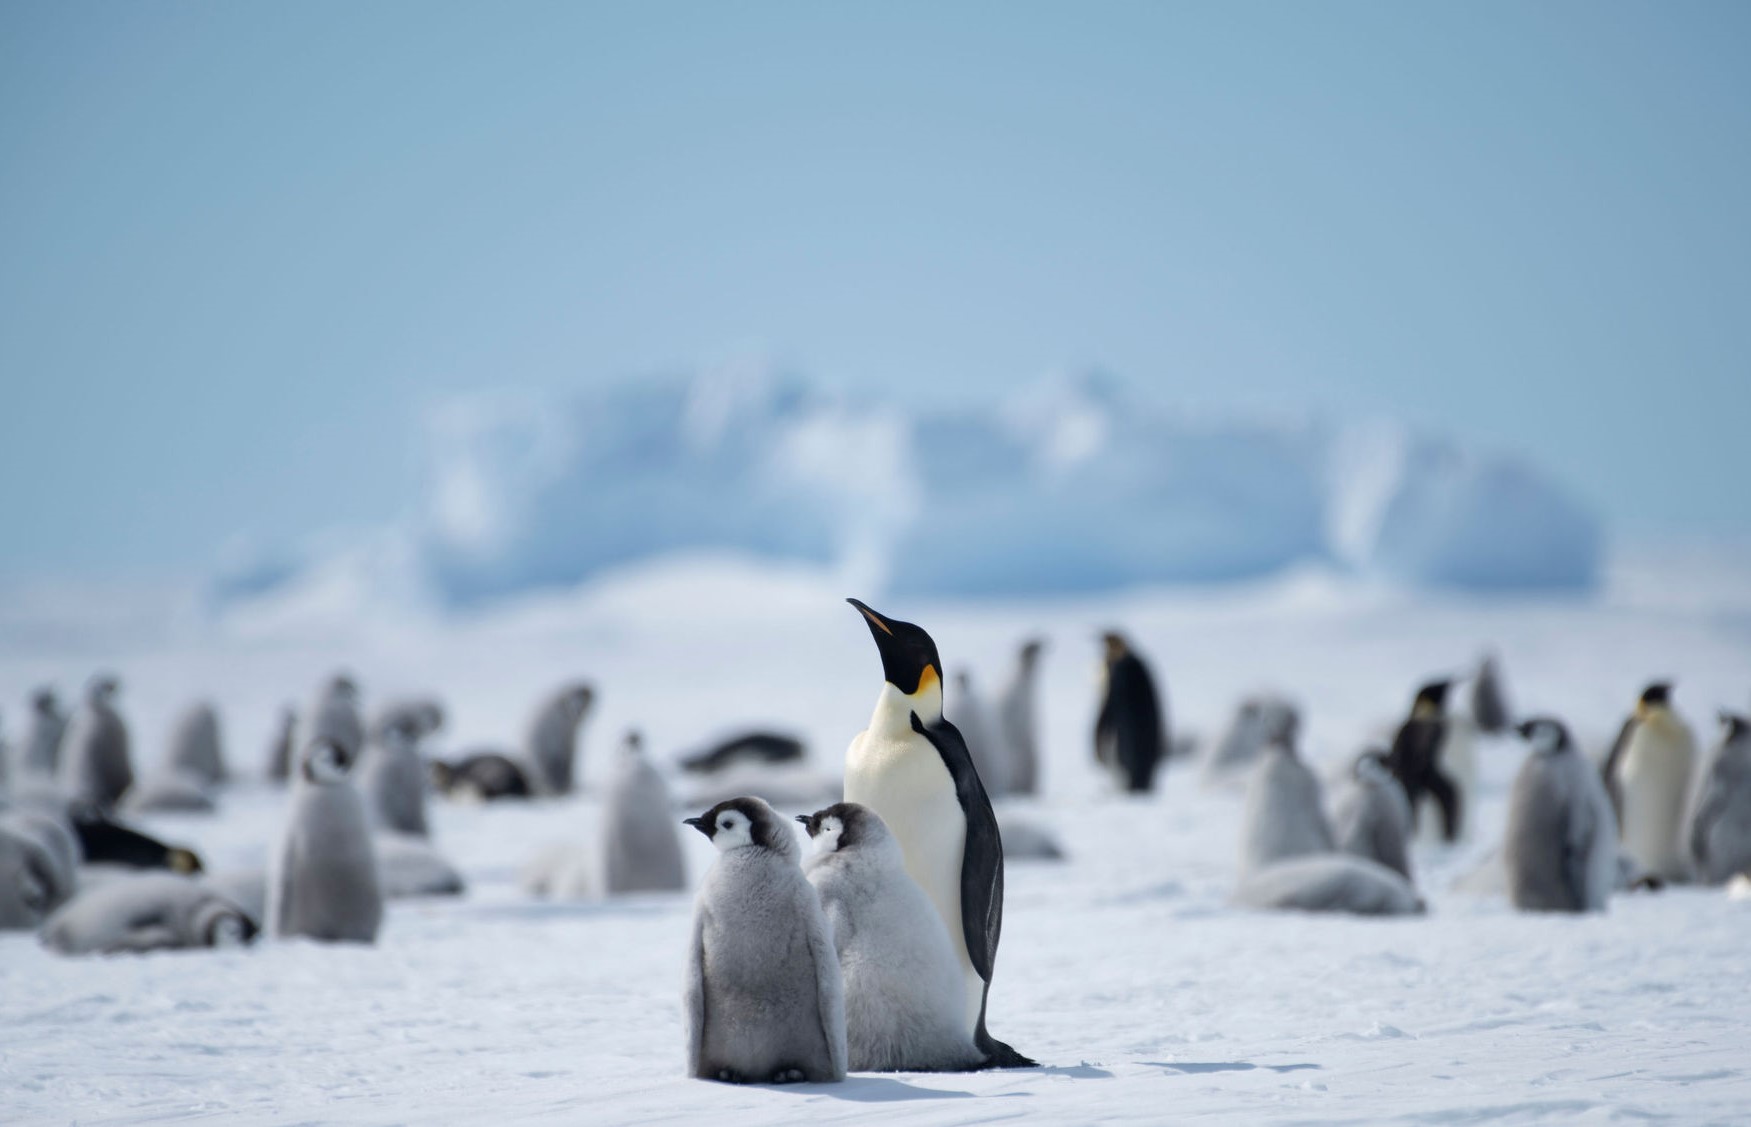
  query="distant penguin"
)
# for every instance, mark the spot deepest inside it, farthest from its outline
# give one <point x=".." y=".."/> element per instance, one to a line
<point x="764" y="998"/>
<point x="903" y="1008"/>
<point x="195" y="747"/>
<point x="641" y="852"/>
<point x="979" y="731"/>
<point x="1285" y="816"/>
<point x="1489" y="699"/>
<point x="409" y="866"/>
<point x="1130" y="734"/>
<point x="323" y="883"/>
<point x="169" y="792"/>
<point x="419" y="717"/>
<point x="105" y="841"/>
<point x="1417" y="761"/>
<point x="1258" y="720"/>
<point x="1561" y="845"/>
<point x="36" y="872"/>
<point x="1719" y="834"/>
<point x="147" y="912"/>
<point x="913" y="769"/>
<point x="95" y="763"/>
<point x="392" y="777"/>
<point x="1373" y="817"/>
<point x="280" y="746"/>
<point x="749" y="747"/>
<point x="1329" y="882"/>
<point x="482" y="777"/>
<point x="333" y="715"/>
<point x="1648" y="776"/>
<point x="1018" y="719"/>
<point x="553" y="738"/>
<point x="41" y="753"/>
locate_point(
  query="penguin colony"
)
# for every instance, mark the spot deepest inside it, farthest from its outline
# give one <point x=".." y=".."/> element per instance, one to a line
<point x="866" y="940"/>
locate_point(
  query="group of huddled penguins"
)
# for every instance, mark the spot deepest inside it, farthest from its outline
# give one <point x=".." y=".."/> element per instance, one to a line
<point x="877" y="951"/>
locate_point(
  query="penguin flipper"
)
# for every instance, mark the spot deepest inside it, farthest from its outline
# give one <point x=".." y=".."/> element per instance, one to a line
<point x="982" y="855"/>
<point x="693" y="997"/>
<point x="1610" y="769"/>
<point x="829" y="992"/>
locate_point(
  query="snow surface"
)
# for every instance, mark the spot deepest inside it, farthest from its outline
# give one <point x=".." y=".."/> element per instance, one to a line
<point x="1072" y="484"/>
<point x="1125" y="969"/>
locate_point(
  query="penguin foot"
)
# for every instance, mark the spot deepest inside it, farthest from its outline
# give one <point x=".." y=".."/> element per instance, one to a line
<point x="788" y="1076"/>
<point x="1000" y="1055"/>
<point x="730" y="1076"/>
<point x="1647" y="882"/>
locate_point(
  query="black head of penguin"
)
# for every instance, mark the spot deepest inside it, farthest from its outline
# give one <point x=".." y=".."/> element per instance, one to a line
<point x="324" y="761"/>
<point x="1658" y="694"/>
<point x="1545" y="733"/>
<point x="1733" y="726"/>
<point x="760" y="827"/>
<point x="851" y="821"/>
<point x="908" y="653"/>
<point x="1431" y="699"/>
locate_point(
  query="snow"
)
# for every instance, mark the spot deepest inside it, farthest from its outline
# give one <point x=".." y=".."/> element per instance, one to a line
<point x="1125" y="969"/>
<point x="1071" y="484"/>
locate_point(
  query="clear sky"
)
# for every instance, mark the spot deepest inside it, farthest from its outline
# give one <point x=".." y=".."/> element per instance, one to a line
<point x="242" y="246"/>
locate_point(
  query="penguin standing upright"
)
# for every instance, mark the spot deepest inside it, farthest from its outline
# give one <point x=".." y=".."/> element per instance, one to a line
<point x="641" y="851"/>
<point x="324" y="883"/>
<point x="977" y="728"/>
<point x="392" y="776"/>
<point x="1285" y="815"/>
<point x="1017" y="722"/>
<point x="1417" y="762"/>
<point x="334" y="715"/>
<point x="95" y="764"/>
<point x="1130" y="734"/>
<point x="1489" y="699"/>
<point x="195" y="747"/>
<point x="1373" y="818"/>
<point x="42" y="747"/>
<point x="912" y="768"/>
<point x="280" y="746"/>
<point x="1561" y="845"/>
<point x="1720" y="822"/>
<point x="553" y="737"/>
<point x="1648" y="777"/>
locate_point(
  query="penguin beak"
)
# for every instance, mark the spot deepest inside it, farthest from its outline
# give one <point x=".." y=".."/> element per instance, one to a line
<point x="803" y="818"/>
<point x="1525" y="729"/>
<point x="698" y="824"/>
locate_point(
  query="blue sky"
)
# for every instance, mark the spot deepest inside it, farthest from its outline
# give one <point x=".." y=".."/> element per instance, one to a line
<point x="242" y="246"/>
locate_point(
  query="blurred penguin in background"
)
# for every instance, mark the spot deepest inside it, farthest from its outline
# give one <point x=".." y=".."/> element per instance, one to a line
<point x="1648" y="777"/>
<point x="1130" y="734"/>
<point x="392" y="777"/>
<point x="280" y="746"/>
<point x="96" y="765"/>
<point x="641" y="849"/>
<point x="37" y="869"/>
<point x="1489" y="699"/>
<point x="969" y="714"/>
<point x="1561" y="844"/>
<point x="323" y="883"/>
<point x="1422" y="760"/>
<point x="195" y="747"/>
<point x="1285" y="815"/>
<point x="1018" y="722"/>
<point x="1719" y="834"/>
<point x="41" y="750"/>
<point x="334" y="715"/>
<point x="553" y="738"/>
<point x="1373" y="817"/>
<point x="147" y="912"/>
<point x="1257" y="721"/>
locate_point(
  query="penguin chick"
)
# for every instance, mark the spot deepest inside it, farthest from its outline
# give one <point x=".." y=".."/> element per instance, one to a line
<point x="95" y="764"/>
<point x="42" y="747"/>
<point x="195" y="748"/>
<point x="641" y="852"/>
<point x="325" y="883"/>
<point x="392" y="777"/>
<point x="1017" y="719"/>
<point x="1284" y="815"/>
<point x="1373" y="818"/>
<point x="280" y="746"/>
<point x="1489" y="699"/>
<point x="903" y="1009"/>
<point x="764" y="999"/>
<point x="553" y="738"/>
<point x="980" y="731"/>
<point x="1329" y="882"/>
<point x="334" y="715"/>
<point x="1719" y="835"/>
<point x="1561" y="845"/>
<point x="147" y="912"/>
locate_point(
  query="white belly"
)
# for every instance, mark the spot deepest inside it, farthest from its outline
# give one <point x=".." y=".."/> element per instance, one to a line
<point x="1654" y="779"/>
<point x="904" y="780"/>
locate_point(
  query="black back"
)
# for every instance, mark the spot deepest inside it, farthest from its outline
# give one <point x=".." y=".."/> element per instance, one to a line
<point x="1130" y="719"/>
<point x="755" y="747"/>
<point x="102" y="839"/>
<point x="1415" y="762"/>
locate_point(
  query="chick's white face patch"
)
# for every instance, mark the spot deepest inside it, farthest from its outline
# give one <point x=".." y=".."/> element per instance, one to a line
<point x="733" y="831"/>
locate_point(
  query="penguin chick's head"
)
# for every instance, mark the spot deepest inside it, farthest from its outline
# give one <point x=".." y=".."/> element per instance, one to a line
<point x="632" y="744"/>
<point x="1031" y="650"/>
<point x="1546" y="734"/>
<point x="1733" y="726"/>
<point x="1371" y="766"/>
<point x="326" y="762"/>
<point x="1431" y="701"/>
<point x="909" y="660"/>
<point x="43" y="700"/>
<point x="743" y="822"/>
<point x="1656" y="696"/>
<point x="342" y="685"/>
<point x="222" y="925"/>
<point x="103" y="688"/>
<point x="576" y="699"/>
<point x="841" y="826"/>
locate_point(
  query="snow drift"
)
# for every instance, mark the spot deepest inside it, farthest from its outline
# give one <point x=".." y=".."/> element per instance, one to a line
<point x="1073" y="484"/>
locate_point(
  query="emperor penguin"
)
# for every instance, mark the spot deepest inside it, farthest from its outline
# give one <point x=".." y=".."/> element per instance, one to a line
<point x="1257" y="721"/>
<point x="1284" y="814"/>
<point x="1719" y="834"/>
<point x="764" y="998"/>
<point x="392" y="776"/>
<point x="42" y="746"/>
<point x="749" y="747"/>
<point x="323" y="881"/>
<point x="912" y="768"/>
<point x="195" y="748"/>
<point x="482" y="777"/>
<point x="553" y="737"/>
<point x="95" y="764"/>
<point x="903" y="1010"/>
<point x="419" y="717"/>
<point x="1130" y="733"/>
<point x="334" y="716"/>
<point x="1489" y="698"/>
<point x="641" y="852"/>
<point x="147" y="912"/>
<point x="979" y="730"/>
<point x="1018" y="719"/>
<point x="1561" y="846"/>
<point x="37" y="869"/>
<point x="280" y="746"/>
<point x="1373" y="818"/>
<point x="1648" y="775"/>
<point x="1421" y="760"/>
<point x="1329" y="882"/>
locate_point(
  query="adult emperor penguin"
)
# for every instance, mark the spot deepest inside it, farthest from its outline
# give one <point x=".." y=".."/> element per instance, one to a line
<point x="1017" y="719"/>
<point x="912" y="768"/>
<point x="1561" y="845"/>
<point x="147" y="912"/>
<point x="1648" y="776"/>
<point x="1130" y="734"/>
<point x="42" y="746"/>
<point x="195" y="748"/>
<point x="764" y="998"/>
<point x="323" y="883"/>
<point x="977" y="727"/>
<point x="1284" y="814"/>
<point x="1719" y="834"/>
<point x="903" y="1009"/>
<point x="95" y="764"/>
<point x="1373" y="818"/>
<point x="1419" y="760"/>
<point x="641" y="851"/>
